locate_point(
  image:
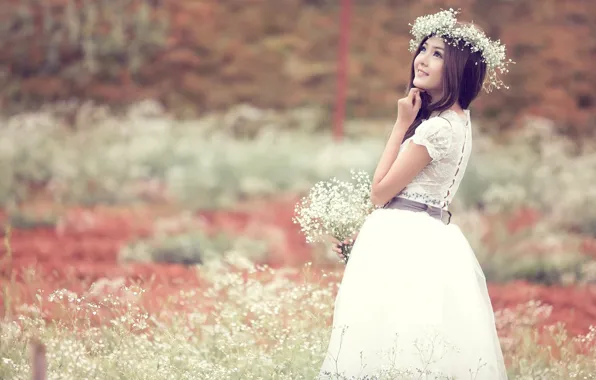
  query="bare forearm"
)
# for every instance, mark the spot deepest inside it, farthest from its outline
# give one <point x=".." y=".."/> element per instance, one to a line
<point x="388" y="176"/>
<point x="390" y="152"/>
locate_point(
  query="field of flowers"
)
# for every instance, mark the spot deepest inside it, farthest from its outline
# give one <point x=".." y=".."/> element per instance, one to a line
<point x="137" y="246"/>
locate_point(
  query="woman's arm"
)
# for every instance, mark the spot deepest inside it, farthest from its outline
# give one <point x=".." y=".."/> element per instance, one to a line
<point x="394" y="171"/>
<point x="390" y="152"/>
<point x="406" y="166"/>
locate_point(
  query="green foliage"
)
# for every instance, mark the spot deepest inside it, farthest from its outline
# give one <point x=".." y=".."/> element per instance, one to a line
<point x="80" y="37"/>
<point x="541" y="253"/>
<point x="192" y="248"/>
<point x="212" y="162"/>
<point x="216" y="160"/>
<point x="536" y="169"/>
<point x="138" y="157"/>
<point x="27" y="220"/>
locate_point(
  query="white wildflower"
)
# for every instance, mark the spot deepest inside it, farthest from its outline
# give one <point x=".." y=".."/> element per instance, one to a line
<point x="335" y="208"/>
<point x="444" y="24"/>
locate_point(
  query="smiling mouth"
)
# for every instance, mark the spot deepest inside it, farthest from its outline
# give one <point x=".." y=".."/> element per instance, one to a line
<point x="421" y="73"/>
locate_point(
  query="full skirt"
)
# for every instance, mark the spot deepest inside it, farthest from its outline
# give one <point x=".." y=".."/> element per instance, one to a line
<point x="412" y="304"/>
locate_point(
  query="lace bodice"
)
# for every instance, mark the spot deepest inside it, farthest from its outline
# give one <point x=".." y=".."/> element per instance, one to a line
<point x="448" y="138"/>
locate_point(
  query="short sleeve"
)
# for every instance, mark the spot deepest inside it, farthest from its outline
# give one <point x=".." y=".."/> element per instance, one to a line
<point x="436" y="135"/>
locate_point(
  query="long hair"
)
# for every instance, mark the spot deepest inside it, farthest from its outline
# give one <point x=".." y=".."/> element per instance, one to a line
<point x="463" y="76"/>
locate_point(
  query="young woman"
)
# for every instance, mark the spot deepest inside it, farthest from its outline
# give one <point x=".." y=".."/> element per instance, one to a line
<point x="413" y="301"/>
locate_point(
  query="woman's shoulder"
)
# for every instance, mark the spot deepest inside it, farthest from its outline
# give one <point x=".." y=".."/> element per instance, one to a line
<point x="444" y="122"/>
<point x="436" y="124"/>
<point x="453" y="116"/>
<point x="447" y="122"/>
<point x="436" y="134"/>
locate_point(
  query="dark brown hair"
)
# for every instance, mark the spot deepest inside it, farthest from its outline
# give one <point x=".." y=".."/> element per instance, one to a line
<point x="463" y="76"/>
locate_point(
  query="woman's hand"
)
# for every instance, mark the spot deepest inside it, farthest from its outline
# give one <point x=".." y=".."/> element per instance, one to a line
<point x="408" y="107"/>
<point x="337" y="244"/>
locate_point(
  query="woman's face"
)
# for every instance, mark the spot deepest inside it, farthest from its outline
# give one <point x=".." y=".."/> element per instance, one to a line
<point x="428" y="67"/>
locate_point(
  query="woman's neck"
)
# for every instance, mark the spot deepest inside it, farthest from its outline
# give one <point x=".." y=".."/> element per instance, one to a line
<point x="457" y="108"/>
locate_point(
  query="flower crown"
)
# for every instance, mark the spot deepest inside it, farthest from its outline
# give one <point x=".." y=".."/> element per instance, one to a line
<point x="444" y="24"/>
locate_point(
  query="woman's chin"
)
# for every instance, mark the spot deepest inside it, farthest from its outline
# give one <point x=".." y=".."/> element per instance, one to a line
<point x="419" y="84"/>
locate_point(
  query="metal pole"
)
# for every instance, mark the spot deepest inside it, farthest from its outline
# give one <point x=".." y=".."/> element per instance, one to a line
<point x="342" y="71"/>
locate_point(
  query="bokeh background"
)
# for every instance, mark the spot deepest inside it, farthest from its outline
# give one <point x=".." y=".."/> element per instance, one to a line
<point x="145" y="141"/>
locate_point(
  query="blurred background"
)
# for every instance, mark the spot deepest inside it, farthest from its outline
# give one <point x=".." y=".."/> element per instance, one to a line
<point x="143" y="138"/>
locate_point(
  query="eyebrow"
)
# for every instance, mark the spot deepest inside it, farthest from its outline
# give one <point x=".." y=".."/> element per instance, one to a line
<point x="435" y="46"/>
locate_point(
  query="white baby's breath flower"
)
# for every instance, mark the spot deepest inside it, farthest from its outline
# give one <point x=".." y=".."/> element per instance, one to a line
<point x="444" y="24"/>
<point x="334" y="208"/>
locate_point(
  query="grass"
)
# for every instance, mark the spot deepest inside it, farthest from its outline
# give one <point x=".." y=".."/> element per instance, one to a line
<point x="132" y="157"/>
<point x="145" y="154"/>
<point x="250" y="322"/>
<point x="256" y="322"/>
<point x="184" y="240"/>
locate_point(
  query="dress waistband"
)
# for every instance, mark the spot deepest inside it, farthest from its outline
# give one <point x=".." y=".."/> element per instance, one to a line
<point x="410" y="205"/>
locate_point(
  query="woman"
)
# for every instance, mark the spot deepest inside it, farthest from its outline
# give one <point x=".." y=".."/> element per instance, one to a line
<point x="413" y="301"/>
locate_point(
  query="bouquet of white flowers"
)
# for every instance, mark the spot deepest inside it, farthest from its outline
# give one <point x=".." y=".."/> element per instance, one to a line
<point x="335" y="208"/>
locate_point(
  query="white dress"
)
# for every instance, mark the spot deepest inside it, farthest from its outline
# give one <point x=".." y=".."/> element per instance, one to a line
<point x="413" y="301"/>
